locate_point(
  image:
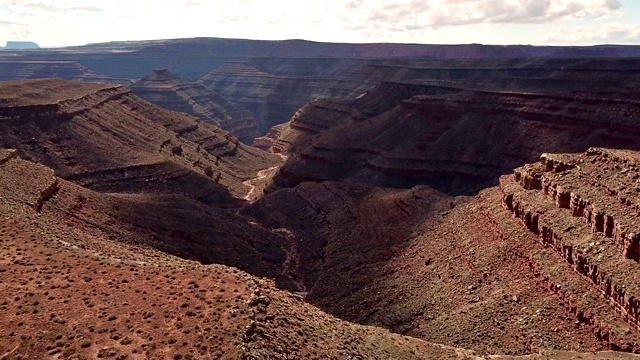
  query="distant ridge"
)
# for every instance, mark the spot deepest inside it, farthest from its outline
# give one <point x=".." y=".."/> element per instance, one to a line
<point x="305" y="48"/>
<point x="192" y="58"/>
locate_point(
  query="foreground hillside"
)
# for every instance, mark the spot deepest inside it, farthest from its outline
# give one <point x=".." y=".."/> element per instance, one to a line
<point x="70" y="291"/>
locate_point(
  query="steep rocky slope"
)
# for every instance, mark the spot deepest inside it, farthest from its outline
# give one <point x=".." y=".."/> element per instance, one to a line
<point x="456" y="139"/>
<point x="164" y="89"/>
<point x="584" y="207"/>
<point x="103" y="137"/>
<point x="276" y="91"/>
<point x="456" y="271"/>
<point x="189" y="177"/>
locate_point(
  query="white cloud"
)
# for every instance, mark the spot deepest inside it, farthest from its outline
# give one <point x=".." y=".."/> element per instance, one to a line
<point x="438" y="13"/>
<point x="64" y="22"/>
<point x="609" y="33"/>
<point x="65" y="6"/>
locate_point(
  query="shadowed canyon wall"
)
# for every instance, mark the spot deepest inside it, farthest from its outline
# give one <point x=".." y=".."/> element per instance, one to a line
<point x="166" y="90"/>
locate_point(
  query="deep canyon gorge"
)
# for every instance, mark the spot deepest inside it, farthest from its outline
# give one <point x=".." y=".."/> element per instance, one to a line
<point x="401" y="201"/>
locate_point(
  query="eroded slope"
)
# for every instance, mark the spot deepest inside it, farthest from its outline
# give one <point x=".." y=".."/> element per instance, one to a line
<point x="452" y="138"/>
<point x="70" y="291"/>
<point x="274" y="94"/>
<point x="448" y="270"/>
<point x="103" y="137"/>
<point x="164" y="89"/>
<point x="584" y="207"/>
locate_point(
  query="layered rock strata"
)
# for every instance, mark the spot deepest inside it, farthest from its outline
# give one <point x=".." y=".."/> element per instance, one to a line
<point x="164" y="89"/>
<point x="446" y="133"/>
<point x="584" y="208"/>
<point x="103" y="137"/>
<point x="525" y="75"/>
<point x="273" y="97"/>
<point x="68" y="70"/>
<point x="267" y="142"/>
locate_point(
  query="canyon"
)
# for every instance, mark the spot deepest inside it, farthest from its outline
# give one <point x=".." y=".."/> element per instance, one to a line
<point x="166" y="90"/>
<point x="401" y="201"/>
<point x="104" y="139"/>
<point x="137" y="302"/>
<point x="273" y="79"/>
<point x="411" y="176"/>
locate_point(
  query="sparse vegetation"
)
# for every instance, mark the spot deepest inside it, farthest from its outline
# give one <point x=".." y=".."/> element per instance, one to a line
<point x="120" y="263"/>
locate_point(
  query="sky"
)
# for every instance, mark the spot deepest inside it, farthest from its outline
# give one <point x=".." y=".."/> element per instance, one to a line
<point x="535" y="22"/>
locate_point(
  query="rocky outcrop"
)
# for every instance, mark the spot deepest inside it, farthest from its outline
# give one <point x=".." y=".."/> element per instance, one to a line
<point x="42" y="184"/>
<point x="164" y="89"/>
<point x="7" y="154"/>
<point x="617" y="219"/>
<point x="13" y="45"/>
<point x="267" y="142"/>
<point x="585" y="210"/>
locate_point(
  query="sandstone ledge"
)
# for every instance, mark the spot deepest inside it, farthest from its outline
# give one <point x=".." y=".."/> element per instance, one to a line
<point x="567" y="202"/>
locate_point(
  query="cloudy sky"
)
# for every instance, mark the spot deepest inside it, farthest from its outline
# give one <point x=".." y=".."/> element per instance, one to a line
<point x="537" y="22"/>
